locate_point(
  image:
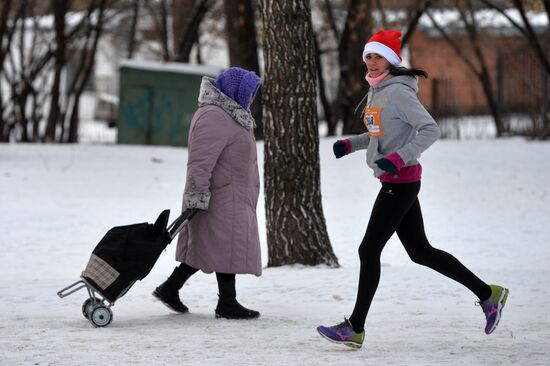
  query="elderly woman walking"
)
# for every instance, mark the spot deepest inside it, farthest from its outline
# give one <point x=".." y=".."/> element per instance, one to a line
<point x="223" y="185"/>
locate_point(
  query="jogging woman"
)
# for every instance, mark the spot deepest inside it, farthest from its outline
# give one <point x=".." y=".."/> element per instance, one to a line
<point x="399" y="130"/>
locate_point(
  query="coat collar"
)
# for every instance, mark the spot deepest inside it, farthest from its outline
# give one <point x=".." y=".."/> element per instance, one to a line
<point x="210" y="95"/>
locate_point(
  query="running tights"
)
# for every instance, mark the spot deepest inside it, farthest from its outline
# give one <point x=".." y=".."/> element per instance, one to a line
<point x="397" y="209"/>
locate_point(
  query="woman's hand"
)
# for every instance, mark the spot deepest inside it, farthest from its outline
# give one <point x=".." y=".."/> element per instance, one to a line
<point x="386" y="165"/>
<point x="391" y="163"/>
<point x="341" y="148"/>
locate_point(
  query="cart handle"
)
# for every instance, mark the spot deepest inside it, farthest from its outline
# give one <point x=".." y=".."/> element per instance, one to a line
<point x="178" y="224"/>
<point x="71" y="289"/>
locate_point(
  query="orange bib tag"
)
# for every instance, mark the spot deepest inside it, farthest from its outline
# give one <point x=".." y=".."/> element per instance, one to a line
<point x="371" y="119"/>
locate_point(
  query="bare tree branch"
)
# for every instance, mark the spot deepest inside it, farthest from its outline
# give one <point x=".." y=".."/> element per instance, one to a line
<point x="452" y="43"/>
<point x="527" y="29"/>
<point x="532" y="38"/>
<point x="413" y="22"/>
<point x="493" y="6"/>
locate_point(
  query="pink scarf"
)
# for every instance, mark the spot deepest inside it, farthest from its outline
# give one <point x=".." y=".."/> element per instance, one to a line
<point x="373" y="82"/>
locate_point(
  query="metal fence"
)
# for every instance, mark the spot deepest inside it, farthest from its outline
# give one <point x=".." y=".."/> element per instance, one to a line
<point x="521" y="90"/>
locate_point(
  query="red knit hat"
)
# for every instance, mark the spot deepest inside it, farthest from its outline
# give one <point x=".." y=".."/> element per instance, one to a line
<point x="386" y="43"/>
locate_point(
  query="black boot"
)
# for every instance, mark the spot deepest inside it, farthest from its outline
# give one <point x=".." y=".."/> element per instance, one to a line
<point x="228" y="306"/>
<point x="168" y="291"/>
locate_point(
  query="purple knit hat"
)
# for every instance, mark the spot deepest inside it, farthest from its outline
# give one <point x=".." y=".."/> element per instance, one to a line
<point x="238" y="84"/>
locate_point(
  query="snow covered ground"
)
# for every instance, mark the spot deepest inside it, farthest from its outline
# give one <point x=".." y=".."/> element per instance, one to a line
<point x="486" y="202"/>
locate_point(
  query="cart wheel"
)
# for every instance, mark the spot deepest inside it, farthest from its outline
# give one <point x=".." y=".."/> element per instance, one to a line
<point x="101" y="316"/>
<point x="88" y="306"/>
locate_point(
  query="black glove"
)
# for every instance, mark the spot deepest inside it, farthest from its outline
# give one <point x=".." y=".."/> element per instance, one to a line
<point x="386" y="165"/>
<point x="340" y="148"/>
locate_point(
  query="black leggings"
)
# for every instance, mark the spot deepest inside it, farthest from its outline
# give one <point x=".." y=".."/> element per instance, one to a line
<point x="397" y="209"/>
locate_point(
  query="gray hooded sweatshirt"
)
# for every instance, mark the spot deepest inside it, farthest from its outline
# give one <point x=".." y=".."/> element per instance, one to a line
<point x="404" y="127"/>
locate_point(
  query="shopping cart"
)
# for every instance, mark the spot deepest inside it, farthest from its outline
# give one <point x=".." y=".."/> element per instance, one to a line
<point x="124" y="255"/>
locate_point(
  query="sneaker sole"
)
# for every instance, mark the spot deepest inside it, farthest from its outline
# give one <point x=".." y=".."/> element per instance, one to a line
<point x="501" y="303"/>
<point x="218" y="316"/>
<point x="350" y="344"/>
<point x="156" y="296"/>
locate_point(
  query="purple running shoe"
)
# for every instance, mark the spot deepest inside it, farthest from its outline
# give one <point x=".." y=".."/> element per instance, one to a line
<point x="342" y="333"/>
<point x="492" y="307"/>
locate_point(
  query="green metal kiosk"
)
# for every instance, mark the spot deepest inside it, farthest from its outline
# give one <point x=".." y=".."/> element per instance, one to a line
<point x="158" y="100"/>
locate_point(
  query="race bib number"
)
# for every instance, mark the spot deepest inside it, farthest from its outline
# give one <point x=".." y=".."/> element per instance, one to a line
<point x="371" y="119"/>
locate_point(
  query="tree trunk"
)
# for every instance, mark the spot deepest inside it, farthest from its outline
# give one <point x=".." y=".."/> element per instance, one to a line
<point x="296" y="229"/>
<point x="328" y="105"/>
<point x="60" y="8"/>
<point x="190" y="34"/>
<point x="181" y="15"/>
<point x="85" y="72"/>
<point x="325" y="103"/>
<point x="330" y="19"/>
<point x="484" y="76"/>
<point x="243" y="47"/>
<point x="158" y="11"/>
<point x="5" y="42"/>
<point x="164" y="30"/>
<point x="5" y="32"/>
<point x="133" y="29"/>
<point x="3" y="136"/>
<point x="485" y="81"/>
<point x="353" y="87"/>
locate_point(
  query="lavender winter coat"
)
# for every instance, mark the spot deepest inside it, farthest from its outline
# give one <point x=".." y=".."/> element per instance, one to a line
<point x="223" y="180"/>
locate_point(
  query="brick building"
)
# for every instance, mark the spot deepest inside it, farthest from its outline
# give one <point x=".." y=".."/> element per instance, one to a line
<point x="519" y="81"/>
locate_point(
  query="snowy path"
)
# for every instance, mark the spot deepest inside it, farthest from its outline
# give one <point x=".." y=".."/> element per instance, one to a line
<point x="486" y="202"/>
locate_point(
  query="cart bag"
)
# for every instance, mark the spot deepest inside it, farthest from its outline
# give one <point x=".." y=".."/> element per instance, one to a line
<point x="127" y="254"/>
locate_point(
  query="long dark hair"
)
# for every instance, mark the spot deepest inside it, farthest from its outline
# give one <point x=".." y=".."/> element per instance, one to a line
<point x="396" y="71"/>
